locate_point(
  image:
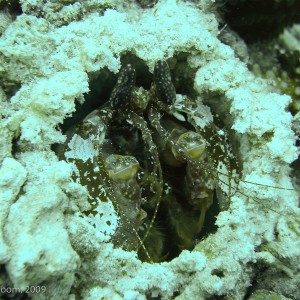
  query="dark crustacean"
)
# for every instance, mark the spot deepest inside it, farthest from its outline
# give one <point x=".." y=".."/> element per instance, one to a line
<point x="147" y="152"/>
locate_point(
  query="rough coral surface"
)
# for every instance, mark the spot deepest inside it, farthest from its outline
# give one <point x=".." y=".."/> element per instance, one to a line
<point x="44" y="240"/>
<point x="13" y="176"/>
<point x="43" y="203"/>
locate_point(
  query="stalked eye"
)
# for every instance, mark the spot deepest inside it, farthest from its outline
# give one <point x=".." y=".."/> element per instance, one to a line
<point x="124" y="86"/>
<point x="163" y="82"/>
<point x="121" y="167"/>
<point x="192" y="144"/>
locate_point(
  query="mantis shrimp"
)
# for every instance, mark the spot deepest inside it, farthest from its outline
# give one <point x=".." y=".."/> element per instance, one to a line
<point x="145" y="151"/>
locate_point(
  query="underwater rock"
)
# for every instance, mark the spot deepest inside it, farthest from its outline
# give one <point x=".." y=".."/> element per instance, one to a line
<point x="255" y="20"/>
<point x="278" y="61"/>
<point x="42" y="203"/>
<point x="12" y="178"/>
<point x="45" y="71"/>
<point x="266" y="295"/>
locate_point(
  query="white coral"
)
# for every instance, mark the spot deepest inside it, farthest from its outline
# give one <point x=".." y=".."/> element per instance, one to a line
<point x="51" y="63"/>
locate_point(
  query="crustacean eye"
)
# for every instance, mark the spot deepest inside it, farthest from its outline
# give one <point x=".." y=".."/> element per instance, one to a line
<point x="191" y="143"/>
<point x="120" y="167"/>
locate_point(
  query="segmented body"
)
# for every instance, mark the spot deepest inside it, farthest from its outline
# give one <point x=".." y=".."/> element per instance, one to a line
<point x="172" y="133"/>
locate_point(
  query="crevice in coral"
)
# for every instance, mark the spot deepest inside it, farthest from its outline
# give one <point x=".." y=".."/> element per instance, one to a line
<point x="12" y="6"/>
<point x="178" y="224"/>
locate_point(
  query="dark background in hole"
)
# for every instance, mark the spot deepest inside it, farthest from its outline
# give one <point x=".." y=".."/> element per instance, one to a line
<point x="13" y="7"/>
<point x="182" y="75"/>
<point x="170" y="244"/>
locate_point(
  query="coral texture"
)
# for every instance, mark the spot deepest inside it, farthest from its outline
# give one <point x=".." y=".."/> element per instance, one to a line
<point x="279" y="62"/>
<point x="45" y="240"/>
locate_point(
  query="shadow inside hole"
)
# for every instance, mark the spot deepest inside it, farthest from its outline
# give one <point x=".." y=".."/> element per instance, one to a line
<point x="218" y="273"/>
<point x="183" y="76"/>
<point x="175" y="244"/>
<point x="143" y="76"/>
<point x="13" y="7"/>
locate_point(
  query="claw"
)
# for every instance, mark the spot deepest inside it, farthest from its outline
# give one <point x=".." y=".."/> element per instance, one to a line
<point x="124" y="86"/>
<point x="163" y="82"/>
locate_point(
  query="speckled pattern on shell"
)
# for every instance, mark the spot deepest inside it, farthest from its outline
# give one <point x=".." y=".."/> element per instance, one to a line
<point x="163" y="82"/>
<point x="124" y="86"/>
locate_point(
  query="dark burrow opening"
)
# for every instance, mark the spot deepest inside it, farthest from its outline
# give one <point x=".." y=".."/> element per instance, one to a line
<point x="173" y="226"/>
